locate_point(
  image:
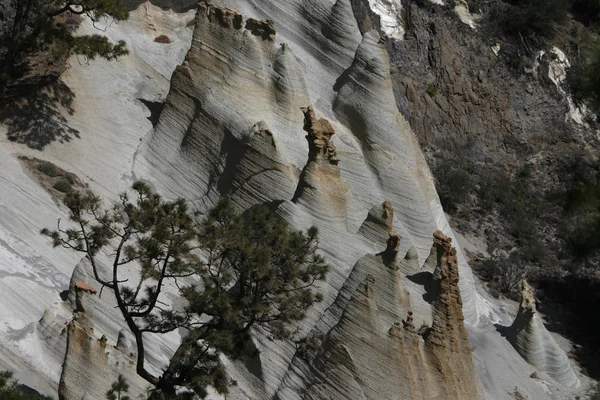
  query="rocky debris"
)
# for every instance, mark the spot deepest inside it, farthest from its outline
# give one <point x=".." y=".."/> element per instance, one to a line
<point x="263" y="29"/>
<point x="535" y="344"/>
<point x="320" y="131"/>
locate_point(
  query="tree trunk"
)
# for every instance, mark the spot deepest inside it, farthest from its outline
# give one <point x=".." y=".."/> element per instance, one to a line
<point x="23" y="11"/>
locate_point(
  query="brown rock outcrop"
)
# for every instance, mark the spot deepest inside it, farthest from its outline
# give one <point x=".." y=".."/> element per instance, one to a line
<point x="321" y="178"/>
<point x="319" y="136"/>
<point x="264" y="29"/>
<point x="447" y="341"/>
<point x="226" y="17"/>
<point x="231" y="18"/>
<point x="85" y="368"/>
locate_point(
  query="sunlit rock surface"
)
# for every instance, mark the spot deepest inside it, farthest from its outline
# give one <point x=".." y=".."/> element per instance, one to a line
<point x="531" y="339"/>
<point x="235" y="123"/>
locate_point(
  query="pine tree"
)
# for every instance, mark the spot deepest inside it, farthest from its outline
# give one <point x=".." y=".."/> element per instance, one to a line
<point x="250" y="271"/>
<point x="118" y="390"/>
<point x="10" y="390"/>
<point x="34" y="25"/>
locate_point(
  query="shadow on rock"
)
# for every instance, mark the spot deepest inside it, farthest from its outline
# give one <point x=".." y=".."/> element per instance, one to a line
<point x="35" y="114"/>
<point x="431" y="286"/>
<point x="501" y="329"/>
<point x="175" y="5"/>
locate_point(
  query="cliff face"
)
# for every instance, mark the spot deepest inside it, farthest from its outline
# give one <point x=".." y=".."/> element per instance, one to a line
<point x="252" y="82"/>
<point x="382" y="345"/>
<point x="293" y="103"/>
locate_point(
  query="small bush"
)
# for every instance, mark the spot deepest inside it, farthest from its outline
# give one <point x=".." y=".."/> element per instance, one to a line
<point x="584" y="77"/>
<point x="11" y="390"/>
<point x="49" y="169"/>
<point x="531" y="17"/>
<point x="431" y="90"/>
<point x="502" y="274"/>
<point x="63" y="185"/>
<point x="163" y="39"/>
<point x="454" y="182"/>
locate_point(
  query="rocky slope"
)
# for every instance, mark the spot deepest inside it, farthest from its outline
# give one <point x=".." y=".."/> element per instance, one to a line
<point x="289" y="103"/>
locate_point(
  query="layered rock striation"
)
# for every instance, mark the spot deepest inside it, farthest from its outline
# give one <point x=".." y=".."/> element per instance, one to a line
<point x="90" y="363"/>
<point x="535" y="344"/>
<point x="378" y="349"/>
<point x="233" y="124"/>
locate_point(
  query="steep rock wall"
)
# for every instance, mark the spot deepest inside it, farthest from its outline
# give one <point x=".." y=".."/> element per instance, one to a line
<point x="377" y="349"/>
<point x="243" y="78"/>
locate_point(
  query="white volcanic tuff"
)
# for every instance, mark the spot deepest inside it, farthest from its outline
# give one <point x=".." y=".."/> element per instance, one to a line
<point x="110" y="120"/>
<point x="370" y="353"/>
<point x="230" y="81"/>
<point x="390" y="12"/>
<point x="531" y="339"/>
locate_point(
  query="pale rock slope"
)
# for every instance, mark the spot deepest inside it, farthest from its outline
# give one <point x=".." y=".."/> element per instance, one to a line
<point x="110" y="120"/>
<point x="531" y="339"/>
<point x="288" y="103"/>
<point x="235" y="109"/>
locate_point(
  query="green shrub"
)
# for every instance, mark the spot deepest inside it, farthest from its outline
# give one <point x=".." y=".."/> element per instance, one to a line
<point x="63" y="185"/>
<point x="587" y="11"/>
<point x="502" y="274"/>
<point x="531" y="17"/>
<point x="454" y="183"/>
<point x="11" y="390"/>
<point x="431" y="90"/>
<point x="49" y="169"/>
<point x="584" y="77"/>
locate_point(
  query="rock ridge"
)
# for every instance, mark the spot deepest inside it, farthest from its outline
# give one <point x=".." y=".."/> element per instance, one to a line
<point x="535" y="344"/>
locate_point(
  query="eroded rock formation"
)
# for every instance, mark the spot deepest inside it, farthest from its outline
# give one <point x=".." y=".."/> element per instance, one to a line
<point x="90" y="363"/>
<point x="320" y="180"/>
<point x="377" y="350"/>
<point x="447" y="340"/>
<point x="232" y="125"/>
<point x="85" y="368"/>
<point x="535" y="344"/>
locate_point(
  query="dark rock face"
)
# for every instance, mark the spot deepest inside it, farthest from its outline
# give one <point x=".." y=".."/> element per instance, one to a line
<point x="264" y="29"/>
<point x="458" y="95"/>
<point x="365" y="17"/>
